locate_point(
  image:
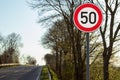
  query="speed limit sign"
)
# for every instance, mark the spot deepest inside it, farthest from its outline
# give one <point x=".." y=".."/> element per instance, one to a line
<point x="87" y="17"/>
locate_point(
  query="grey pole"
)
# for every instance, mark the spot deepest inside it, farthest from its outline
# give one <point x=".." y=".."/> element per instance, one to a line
<point x="87" y="57"/>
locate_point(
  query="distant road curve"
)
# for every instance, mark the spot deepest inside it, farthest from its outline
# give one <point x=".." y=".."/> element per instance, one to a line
<point x="20" y="73"/>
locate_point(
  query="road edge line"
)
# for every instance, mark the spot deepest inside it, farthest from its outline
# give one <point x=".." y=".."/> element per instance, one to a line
<point x="38" y="77"/>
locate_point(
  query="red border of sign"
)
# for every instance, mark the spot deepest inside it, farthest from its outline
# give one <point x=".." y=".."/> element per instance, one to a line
<point x="83" y="28"/>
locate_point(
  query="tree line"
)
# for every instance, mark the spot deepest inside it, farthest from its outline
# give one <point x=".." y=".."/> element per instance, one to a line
<point x="9" y="49"/>
<point x="68" y="43"/>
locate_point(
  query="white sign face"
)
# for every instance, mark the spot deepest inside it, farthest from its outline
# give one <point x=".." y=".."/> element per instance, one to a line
<point x="87" y="17"/>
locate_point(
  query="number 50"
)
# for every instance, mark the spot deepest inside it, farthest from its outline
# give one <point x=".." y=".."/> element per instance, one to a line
<point x="88" y="18"/>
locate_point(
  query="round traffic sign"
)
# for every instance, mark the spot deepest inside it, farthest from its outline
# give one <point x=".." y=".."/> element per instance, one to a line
<point x="87" y="17"/>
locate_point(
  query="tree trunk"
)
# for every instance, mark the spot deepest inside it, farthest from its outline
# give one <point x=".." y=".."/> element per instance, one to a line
<point x="81" y="73"/>
<point x="60" y="67"/>
<point x="75" y="63"/>
<point x="56" y="61"/>
<point x="106" y="68"/>
<point x="79" y="55"/>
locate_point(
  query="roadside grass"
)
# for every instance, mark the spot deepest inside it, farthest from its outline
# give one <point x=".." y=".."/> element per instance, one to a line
<point x="53" y="75"/>
<point x="6" y="66"/>
<point x="13" y="65"/>
<point x="44" y="74"/>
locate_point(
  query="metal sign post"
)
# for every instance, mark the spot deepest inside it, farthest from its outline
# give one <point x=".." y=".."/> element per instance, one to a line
<point x="87" y="18"/>
<point x="87" y="57"/>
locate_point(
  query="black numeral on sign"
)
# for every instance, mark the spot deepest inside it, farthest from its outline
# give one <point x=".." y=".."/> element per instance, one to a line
<point x="88" y="18"/>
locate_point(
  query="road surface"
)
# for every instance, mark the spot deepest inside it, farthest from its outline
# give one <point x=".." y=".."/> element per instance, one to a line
<point x="20" y="73"/>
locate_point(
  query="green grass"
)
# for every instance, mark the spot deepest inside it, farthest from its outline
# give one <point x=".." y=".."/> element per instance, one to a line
<point x="44" y="74"/>
<point x="54" y="76"/>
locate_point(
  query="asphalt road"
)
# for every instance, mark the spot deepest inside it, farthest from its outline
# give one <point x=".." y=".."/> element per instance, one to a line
<point x="20" y="73"/>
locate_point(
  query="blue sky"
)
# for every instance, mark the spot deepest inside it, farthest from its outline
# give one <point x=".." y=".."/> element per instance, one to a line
<point x="17" y="16"/>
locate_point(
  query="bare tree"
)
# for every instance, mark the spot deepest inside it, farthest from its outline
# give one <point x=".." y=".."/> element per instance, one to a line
<point x="50" y="60"/>
<point x="10" y="48"/>
<point x="57" y="39"/>
<point x="109" y="31"/>
<point x="31" y="60"/>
